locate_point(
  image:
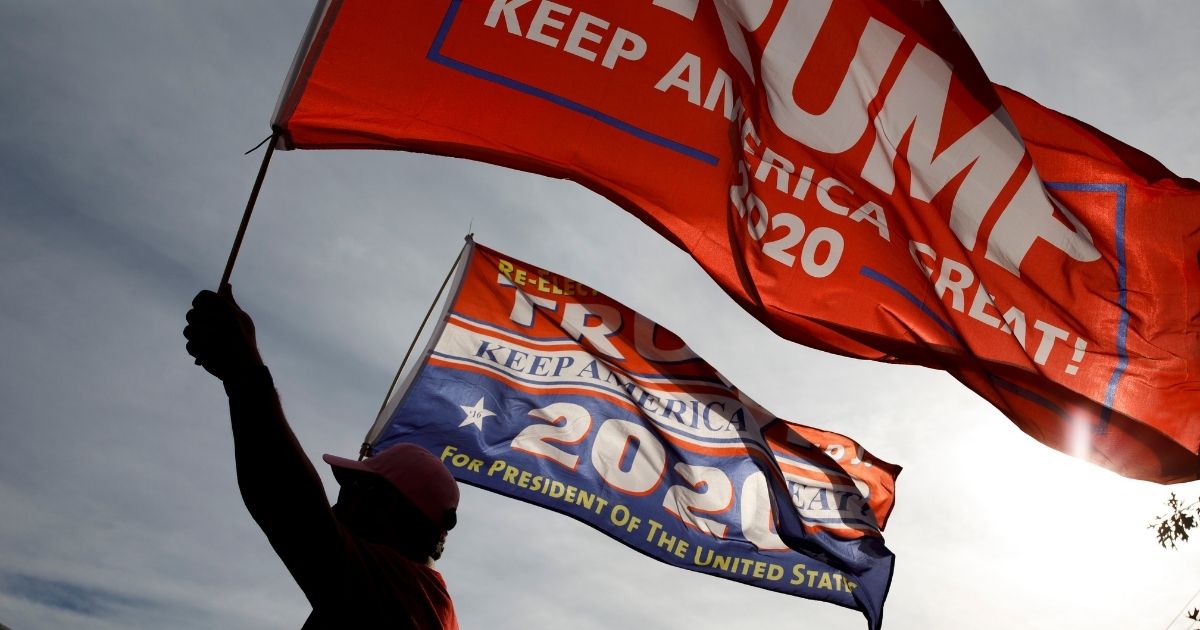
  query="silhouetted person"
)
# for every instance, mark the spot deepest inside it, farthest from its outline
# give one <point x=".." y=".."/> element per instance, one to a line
<point x="365" y="562"/>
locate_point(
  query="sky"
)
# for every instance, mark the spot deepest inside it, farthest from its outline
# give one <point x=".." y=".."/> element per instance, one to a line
<point x="122" y="179"/>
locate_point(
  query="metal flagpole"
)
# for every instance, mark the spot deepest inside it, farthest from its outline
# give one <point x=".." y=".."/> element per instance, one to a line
<point x="366" y="445"/>
<point x="241" y="233"/>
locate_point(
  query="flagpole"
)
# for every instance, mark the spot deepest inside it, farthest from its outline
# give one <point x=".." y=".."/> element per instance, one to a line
<point x="241" y="233"/>
<point x="366" y="445"/>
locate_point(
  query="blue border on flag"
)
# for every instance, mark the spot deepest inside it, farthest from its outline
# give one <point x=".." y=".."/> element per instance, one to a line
<point x="435" y="55"/>
<point x="1110" y="395"/>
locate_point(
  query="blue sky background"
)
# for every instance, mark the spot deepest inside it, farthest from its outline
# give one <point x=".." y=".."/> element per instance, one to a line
<point x="122" y="127"/>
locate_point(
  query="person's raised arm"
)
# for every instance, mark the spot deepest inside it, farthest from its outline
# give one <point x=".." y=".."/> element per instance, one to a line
<point x="278" y="483"/>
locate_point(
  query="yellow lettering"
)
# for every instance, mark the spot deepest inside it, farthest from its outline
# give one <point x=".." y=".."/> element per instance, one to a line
<point x="825" y="582"/>
<point x="496" y="466"/>
<point x="797" y="574"/>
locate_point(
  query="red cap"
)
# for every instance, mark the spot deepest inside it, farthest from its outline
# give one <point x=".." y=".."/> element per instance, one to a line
<point x="422" y="478"/>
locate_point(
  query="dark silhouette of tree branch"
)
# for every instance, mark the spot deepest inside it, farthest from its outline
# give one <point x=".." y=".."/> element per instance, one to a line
<point x="1172" y="529"/>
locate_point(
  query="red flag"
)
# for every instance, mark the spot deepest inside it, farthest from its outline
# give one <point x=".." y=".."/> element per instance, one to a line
<point x="845" y="171"/>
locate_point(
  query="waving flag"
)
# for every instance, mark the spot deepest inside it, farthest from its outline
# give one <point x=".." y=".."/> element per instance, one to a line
<point x="844" y="170"/>
<point x="543" y="389"/>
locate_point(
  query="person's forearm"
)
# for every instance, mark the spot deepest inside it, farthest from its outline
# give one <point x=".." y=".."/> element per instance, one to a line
<point x="278" y="482"/>
<point x="279" y="485"/>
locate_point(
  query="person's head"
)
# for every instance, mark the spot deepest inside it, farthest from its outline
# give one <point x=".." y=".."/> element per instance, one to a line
<point x="403" y="497"/>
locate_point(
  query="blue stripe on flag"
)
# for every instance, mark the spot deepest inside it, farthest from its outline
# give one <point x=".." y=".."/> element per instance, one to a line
<point x="435" y="55"/>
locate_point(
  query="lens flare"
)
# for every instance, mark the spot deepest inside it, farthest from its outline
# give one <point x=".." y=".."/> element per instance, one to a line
<point x="1079" y="437"/>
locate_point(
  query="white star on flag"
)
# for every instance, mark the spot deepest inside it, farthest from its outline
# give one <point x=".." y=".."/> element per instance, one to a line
<point x="475" y="414"/>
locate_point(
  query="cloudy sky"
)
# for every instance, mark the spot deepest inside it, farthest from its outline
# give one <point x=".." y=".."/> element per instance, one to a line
<point x="122" y="127"/>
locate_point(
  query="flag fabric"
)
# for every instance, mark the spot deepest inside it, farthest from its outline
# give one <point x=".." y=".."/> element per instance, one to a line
<point x="845" y="171"/>
<point x="543" y="389"/>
